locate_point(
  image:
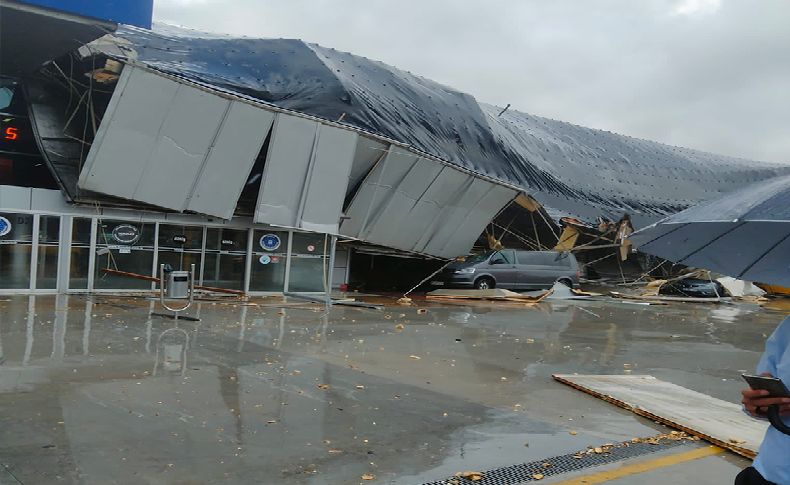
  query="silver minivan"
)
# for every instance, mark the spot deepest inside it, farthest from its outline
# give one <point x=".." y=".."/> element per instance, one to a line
<point x="511" y="269"/>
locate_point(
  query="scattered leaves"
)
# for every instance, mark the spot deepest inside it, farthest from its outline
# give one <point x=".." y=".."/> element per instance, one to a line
<point x="473" y="476"/>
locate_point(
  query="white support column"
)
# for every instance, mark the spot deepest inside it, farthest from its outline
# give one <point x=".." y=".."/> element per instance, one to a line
<point x="155" y="267"/>
<point x="203" y="255"/>
<point x="288" y="261"/>
<point x="34" y="252"/>
<point x="248" y="260"/>
<point x="92" y="253"/>
<point x="347" y="277"/>
<point x="64" y="253"/>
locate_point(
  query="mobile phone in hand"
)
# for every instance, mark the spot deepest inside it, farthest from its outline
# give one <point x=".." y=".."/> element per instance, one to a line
<point x="773" y="385"/>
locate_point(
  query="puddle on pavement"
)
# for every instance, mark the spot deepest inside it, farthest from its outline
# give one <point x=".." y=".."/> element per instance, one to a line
<point x="94" y="390"/>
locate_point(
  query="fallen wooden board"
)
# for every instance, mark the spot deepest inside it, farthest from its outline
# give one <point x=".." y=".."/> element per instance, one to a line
<point x="497" y="294"/>
<point x="719" y="422"/>
<point x="136" y="276"/>
<point x="679" y="299"/>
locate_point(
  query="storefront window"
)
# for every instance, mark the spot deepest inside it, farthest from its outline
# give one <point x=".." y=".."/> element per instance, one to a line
<point x="180" y="247"/>
<point x="16" y="244"/>
<point x="80" y="253"/>
<point x="309" y="254"/>
<point x="47" y="264"/>
<point x="127" y="247"/>
<point x="226" y="257"/>
<point x="269" y="256"/>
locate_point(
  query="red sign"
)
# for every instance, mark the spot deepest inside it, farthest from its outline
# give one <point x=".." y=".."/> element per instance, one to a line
<point x="11" y="133"/>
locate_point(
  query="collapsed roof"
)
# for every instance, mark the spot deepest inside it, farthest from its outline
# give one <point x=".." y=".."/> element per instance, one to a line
<point x="551" y="160"/>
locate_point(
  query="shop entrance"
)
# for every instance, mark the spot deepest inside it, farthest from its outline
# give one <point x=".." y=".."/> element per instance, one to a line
<point x="226" y="258"/>
<point x="16" y="249"/>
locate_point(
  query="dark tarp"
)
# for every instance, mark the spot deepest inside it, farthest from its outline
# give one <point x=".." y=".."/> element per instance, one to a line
<point x="570" y="169"/>
<point x="745" y="234"/>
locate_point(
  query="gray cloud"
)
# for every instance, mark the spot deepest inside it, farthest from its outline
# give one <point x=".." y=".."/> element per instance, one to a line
<point x="706" y="74"/>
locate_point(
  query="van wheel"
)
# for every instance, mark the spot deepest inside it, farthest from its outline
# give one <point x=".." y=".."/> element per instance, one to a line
<point x="566" y="282"/>
<point x="485" y="283"/>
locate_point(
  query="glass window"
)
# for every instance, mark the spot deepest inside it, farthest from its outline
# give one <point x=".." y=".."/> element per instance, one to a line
<point x="503" y="257"/>
<point x="123" y="246"/>
<point x="543" y="258"/>
<point x="80" y="253"/>
<point x="309" y="254"/>
<point x="47" y="264"/>
<point x="226" y="258"/>
<point x="269" y="256"/>
<point x="16" y="244"/>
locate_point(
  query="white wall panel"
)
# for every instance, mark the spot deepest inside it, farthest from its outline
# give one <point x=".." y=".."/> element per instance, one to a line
<point x="476" y="220"/>
<point x="230" y="160"/>
<point x="286" y="170"/>
<point x="375" y="190"/>
<point x="127" y="134"/>
<point x="325" y="191"/>
<point x="391" y="222"/>
<point x="172" y="145"/>
<point x="192" y="123"/>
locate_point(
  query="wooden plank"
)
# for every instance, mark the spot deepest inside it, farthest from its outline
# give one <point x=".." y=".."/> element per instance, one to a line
<point x="719" y="422"/>
<point x="680" y="299"/>
<point x="495" y="294"/>
<point x="136" y="276"/>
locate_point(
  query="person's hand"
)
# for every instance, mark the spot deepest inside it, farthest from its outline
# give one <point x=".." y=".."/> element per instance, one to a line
<point x="756" y="402"/>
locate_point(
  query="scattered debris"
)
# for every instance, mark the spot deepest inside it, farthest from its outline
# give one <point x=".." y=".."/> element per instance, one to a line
<point x="368" y="476"/>
<point x="323" y="387"/>
<point x="497" y="294"/>
<point x="473" y="476"/>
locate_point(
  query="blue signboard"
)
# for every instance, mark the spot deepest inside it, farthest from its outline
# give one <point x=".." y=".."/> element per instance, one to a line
<point x="270" y="242"/>
<point x="131" y="12"/>
<point x="5" y="226"/>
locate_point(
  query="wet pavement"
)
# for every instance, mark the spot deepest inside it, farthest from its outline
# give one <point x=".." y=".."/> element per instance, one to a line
<point x="93" y="390"/>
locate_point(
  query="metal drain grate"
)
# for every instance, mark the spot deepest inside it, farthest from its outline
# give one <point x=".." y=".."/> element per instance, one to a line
<point x="516" y="474"/>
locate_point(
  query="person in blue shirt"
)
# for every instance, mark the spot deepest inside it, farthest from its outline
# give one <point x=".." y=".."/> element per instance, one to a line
<point x="772" y="465"/>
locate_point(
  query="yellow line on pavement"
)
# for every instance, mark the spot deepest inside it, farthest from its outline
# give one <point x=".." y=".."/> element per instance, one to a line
<point x="643" y="466"/>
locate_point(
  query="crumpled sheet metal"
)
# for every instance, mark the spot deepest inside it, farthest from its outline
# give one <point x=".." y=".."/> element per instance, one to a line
<point x="570" y="169"/>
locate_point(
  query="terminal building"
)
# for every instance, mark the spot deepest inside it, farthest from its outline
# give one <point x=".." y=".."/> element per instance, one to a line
<point x="271" y="164"/>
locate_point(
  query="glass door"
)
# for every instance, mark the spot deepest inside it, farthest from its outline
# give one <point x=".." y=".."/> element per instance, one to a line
<point x="309" y="256"/>
<point x="269" y="257"/>
<point x="124" y="254"/>
<point x="16" y="248"/>
<point x="47" y="264"/>
<point x="226" y="258"/>
<point x="180" y="247"/>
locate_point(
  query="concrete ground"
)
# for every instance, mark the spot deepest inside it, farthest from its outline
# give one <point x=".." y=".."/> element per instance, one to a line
<point x="92" y="391"/>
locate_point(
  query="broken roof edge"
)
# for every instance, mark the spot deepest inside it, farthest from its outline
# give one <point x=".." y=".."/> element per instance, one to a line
<point x="337" y="124"/>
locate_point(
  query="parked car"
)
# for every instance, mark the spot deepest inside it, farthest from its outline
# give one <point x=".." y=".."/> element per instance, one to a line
<point x="694" y="288"/>
<point x="511" y="269"/>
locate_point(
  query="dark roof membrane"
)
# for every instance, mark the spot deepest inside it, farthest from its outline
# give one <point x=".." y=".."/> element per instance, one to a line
<point x="570" y="169"/>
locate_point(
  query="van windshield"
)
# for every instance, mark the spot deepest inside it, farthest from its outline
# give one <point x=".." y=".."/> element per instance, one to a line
<point x="477" y="258"/>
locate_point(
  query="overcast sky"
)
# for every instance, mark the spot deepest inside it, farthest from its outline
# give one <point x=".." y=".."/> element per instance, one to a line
<point x="706" y="74"/>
